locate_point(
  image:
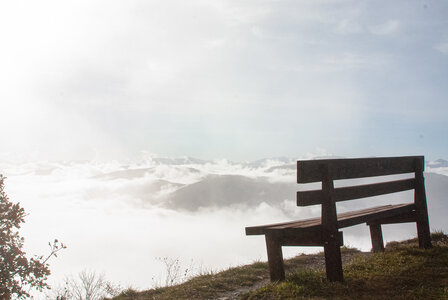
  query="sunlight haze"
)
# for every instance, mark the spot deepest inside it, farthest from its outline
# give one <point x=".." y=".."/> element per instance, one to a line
<point x="241" y="80"/>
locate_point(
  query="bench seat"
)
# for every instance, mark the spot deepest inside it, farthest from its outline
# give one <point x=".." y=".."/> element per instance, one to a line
<point x="368" y="215"/>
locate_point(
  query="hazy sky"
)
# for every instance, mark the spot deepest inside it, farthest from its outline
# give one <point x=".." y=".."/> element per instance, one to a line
<point x="235" y="79"/>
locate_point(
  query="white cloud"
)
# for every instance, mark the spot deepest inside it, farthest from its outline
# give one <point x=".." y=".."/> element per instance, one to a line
<point x="350" y="61"/>
<point x="346" y="26"/>
<point x="103" y="210"/>
<point x="387" y="28"/>
<point x="215" y="43"/>
<point x="442" y="47"/>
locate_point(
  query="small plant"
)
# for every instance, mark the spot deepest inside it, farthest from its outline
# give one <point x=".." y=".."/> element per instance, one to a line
<point x="173" y="272"/>
<point x="88" y="285"/>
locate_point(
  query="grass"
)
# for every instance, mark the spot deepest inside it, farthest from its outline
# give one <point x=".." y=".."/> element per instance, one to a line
<point x="207" y="286"/>
<point x="403" y="271"/>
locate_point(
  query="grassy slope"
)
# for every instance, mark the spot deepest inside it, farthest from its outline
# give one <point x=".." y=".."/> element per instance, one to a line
<point x="403" y="271"/>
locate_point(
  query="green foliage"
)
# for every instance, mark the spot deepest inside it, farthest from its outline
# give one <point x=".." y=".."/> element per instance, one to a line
<point x="18" y="274"/>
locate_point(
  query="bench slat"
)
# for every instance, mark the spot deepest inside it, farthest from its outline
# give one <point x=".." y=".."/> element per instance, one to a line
<point x="344" y="219"/>
<point x="385" y="212"/>
<point x="305" y="198"/>
<point x="395" y="219"/>
<point x="305" y="238"/>
<point x="309" y="170"/>
<point x="261" y="229"/>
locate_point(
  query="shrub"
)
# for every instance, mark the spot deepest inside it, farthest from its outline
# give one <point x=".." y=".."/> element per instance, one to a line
<point x="18" y="274"/>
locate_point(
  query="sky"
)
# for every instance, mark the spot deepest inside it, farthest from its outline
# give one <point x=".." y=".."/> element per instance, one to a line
<point x="231" y="79"/>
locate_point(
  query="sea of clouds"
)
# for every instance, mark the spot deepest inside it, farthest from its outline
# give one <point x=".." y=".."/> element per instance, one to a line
<point x="120" y="218"/>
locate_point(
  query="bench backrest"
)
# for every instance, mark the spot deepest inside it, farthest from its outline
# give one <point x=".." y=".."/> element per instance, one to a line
<point x="327" y="170"/>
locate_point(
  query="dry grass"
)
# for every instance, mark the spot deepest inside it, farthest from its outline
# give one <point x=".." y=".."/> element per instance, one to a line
<point x="208" y="286"/>
<point x="403" y="271"/>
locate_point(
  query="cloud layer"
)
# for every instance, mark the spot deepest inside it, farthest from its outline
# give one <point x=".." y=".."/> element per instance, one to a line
<point x="117" y="218"/>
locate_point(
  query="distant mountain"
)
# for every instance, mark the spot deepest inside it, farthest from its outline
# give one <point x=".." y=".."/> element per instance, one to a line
<point x="217" y="191"/>
<point x="252" y="164"/>
<point x="126" y="174"/>
<point x="138" y="172"/>
<point x="230" y="190"/>
<point x="440" y="163"/>
<point x="284" y="167"/>
<point x="179" y="161"/>
<point x="269" y="161"/>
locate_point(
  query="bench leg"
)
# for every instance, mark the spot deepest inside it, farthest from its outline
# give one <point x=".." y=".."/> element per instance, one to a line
<point x="333" y="261"/>
<point x="376" y="236"/>
<point x="423" y="233"/>
<point x="424" y="236"/>
<point x="275" y="258"/>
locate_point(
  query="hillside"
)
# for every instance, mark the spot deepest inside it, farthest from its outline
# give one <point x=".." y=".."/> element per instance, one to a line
<point x="403" y="271"/>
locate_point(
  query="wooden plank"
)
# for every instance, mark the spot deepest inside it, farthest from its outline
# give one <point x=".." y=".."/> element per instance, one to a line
<point x="408" y="218"/>
<point x="275" y="258"/>
<point x="328" y="215"/>
<point x="376" y="236"/>
<point x="347" y="168"/>
<point x="305" y="198"/>
<point x="306" y="238"/>
<point x="332" y="250"/>
<point x="300" y="236"/>
<point x="375" y="214"/>
<point x="306" y="224"/>
<point x="333" y="261"/>
<point x="262" y="229"/>
<point x="424" y="236"/>
<point x="370" y="190"/>
<point x="384" y="214"/>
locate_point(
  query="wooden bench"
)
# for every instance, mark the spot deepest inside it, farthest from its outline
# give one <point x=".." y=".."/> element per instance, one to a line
<point x="324" y="231"/>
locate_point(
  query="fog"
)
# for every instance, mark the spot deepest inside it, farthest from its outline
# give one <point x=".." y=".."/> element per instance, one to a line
<point x="119" y="219"/>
